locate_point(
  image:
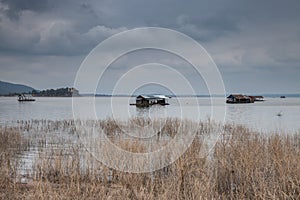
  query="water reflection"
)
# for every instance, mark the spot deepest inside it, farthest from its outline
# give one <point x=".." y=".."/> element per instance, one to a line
<point x="151" y="112"/>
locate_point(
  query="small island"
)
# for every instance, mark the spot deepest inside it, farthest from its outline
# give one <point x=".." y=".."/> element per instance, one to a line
<point x="60" y="92"/>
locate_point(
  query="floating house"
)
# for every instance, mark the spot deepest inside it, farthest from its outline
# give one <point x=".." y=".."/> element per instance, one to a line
<point x="239" y="98"/>
<point x="149" y="100"/>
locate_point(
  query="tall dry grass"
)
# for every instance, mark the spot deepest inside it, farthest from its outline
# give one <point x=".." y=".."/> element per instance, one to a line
<point x="12" y="144"/>
<point x="241" y="165"/>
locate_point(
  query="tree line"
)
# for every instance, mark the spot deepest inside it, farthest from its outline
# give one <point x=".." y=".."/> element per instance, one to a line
<point x="60" y="92"/>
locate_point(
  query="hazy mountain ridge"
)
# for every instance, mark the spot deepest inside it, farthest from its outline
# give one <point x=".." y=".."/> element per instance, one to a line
<point x="10" y="88"/>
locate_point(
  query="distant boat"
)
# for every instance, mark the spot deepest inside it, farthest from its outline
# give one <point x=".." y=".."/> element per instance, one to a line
<point x="282" y="97"/>
<point x="25" y="97"/>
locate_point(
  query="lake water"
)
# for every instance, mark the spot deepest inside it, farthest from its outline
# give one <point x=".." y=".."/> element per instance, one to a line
<point x="260" y="116"/>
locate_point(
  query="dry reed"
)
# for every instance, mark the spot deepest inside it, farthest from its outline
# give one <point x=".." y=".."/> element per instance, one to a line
<point x="241" y="165"/>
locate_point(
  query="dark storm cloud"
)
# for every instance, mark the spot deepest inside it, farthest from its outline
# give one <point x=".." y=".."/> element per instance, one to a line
<point x="72" y="27"/>
<point x="15" y="7"/>
<point x="242" y="36"/>
<point x="66" y="26"/>
<point x="35" y="5"/>
<point x="48" y="27"/>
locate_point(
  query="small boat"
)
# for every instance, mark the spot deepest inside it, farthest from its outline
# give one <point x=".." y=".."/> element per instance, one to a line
<point x="282" y="97"/>
<point x="25" y="97"/>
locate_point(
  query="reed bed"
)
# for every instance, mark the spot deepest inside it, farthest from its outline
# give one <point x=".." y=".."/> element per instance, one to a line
<point x="241" y="164"/>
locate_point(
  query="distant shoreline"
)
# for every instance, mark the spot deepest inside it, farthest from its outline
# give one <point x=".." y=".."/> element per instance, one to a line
<point x="172" y="96"/>
<point x="187" y="95"/>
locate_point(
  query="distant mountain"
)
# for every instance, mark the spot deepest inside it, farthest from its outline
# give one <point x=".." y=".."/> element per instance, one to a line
<point x="10" y="88"/>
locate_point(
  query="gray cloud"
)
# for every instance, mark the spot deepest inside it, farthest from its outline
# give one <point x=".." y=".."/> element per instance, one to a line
<point x="45" y="29"/>
<point x="15" y="7"/>
<point x="243" y="37"/>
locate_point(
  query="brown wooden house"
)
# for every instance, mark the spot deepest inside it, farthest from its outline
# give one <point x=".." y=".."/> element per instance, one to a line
<point x="239" y="98"/>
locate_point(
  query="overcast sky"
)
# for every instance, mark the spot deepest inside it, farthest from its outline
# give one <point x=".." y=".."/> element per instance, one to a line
<point x="255" y="44"/>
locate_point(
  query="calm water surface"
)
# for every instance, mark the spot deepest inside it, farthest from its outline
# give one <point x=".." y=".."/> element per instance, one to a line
<point x="261" y="116"/>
